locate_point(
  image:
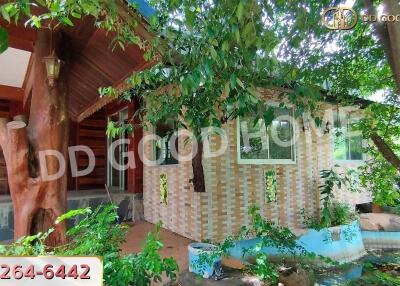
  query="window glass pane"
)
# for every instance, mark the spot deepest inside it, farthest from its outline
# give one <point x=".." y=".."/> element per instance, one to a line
<point x="274" y="142"/>
<point x="340" y="147"/>
<point x="356" y="148"/>
<point x="163" y="146"/>
<point x="355" y="143"/>
<point x="339" y="139"/>
<point x="280" y="143"/>
<point x="347" y="141"/>
<point x="254" y="149"/>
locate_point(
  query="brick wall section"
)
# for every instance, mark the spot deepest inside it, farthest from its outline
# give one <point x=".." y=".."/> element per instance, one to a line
<point x="182" y="214"/>
<point x="232" y="188"/>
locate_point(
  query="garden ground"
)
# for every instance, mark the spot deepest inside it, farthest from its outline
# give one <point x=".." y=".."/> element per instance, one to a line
<point x="174" y="245"/>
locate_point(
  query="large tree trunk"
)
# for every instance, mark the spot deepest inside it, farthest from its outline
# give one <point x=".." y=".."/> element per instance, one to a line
<point x="198" y="171"/>
<point x="38" y="202"/>
<point x="388" y="34"/>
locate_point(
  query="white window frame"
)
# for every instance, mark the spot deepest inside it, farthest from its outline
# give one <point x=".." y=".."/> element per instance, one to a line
<point x="267" y="161"/>
<point x="123" y="114"/>
<point x="347" y="161"/>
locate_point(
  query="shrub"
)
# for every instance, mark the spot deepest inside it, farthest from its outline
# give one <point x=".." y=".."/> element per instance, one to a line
<point x="332" y="213"/>
<point x="339" y="214"/>
<point x="99" y="234"/>
<point x="270" y="235"/>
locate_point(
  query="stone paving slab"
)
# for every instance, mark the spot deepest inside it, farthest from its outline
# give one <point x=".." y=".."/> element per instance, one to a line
<point x="233" y="278"/>
<point x="380" y="222"/>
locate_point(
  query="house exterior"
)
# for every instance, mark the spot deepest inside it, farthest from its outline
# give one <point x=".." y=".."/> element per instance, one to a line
<point x="236" y="180"/>
<point x="281" y="181"/>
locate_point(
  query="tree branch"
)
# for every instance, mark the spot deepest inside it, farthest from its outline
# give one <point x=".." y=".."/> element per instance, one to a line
<point x="16" y="151"/>
<point x="386" y="151"/>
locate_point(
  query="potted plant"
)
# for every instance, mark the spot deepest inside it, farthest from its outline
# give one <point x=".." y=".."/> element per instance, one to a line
<point x="205" y="260"/>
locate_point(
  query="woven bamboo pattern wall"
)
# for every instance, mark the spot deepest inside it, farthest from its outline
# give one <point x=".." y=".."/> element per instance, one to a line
<point x="232" y="188"/>
<point x="182" y="213"/>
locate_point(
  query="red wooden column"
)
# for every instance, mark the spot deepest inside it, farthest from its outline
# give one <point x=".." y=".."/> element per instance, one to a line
<point x="16" y="108"/>
<point x="135" y="175"/>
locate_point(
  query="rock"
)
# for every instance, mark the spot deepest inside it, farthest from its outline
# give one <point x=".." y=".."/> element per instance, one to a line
<point x="233" y="278"/>
<point x="295" y="276"/>
<point x="380" y="222"/>
<point x="233" y="263"/>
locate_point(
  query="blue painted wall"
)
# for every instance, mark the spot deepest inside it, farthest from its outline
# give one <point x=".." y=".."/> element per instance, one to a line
<point x="320" y="242"/>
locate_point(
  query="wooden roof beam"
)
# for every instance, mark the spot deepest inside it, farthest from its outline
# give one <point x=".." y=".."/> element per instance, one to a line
<point x="28" y="82"/>
<point x="11" y="93"/>
<point x="20" y="37"/>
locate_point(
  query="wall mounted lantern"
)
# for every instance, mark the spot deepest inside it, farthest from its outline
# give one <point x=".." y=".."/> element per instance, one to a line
<point x="53" y="65"/>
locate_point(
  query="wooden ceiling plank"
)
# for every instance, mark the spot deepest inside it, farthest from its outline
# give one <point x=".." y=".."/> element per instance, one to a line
<point x="96" y="68"/>
<point x="100" y="102"/>
<point x="81" y="32"/>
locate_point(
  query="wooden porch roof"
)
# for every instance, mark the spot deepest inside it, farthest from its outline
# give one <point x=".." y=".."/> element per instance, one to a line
<point x="94" y="64"/>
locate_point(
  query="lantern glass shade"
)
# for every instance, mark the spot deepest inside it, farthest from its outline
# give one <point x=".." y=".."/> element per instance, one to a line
<point x="53" y="65"/>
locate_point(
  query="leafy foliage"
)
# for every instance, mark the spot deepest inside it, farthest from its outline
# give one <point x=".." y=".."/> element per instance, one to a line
<point x="341" y="214"/>
<point x="332" y="213"/>
<point x="384" y="273"/>
<point x="3" y="40"/>
<point x="56" y="13"/>
<point x="33" y="245"/>
<point x="271" y="188"/>
<point x="218" y="54"/>
<point x="115" y="129"/>
<point x="99" y="234"/>
<point x="163" y="189"/>
<point x="378" y="175"/>
<point x="269" y="235"/>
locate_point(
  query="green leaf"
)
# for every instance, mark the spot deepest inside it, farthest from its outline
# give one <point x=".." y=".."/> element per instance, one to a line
<point x="41" y="2"/>
<point x="3" y="40"/>
<point x="237" y="34"/>
<point x="232" y="80"/>
<point x="76" y="15"/>
<point x="36" y="21"/>
<point x="318" y="121"/>
<point x="5" y="14"/>
<point x="227" y="89"/>
<point x="214" y="54"/>
<point x="190" y="17"/>
<point x="225" y="46"/>
<point x="154" y="21"/>
<point x="240" y="83"/>
<point x="72" y="214"/>
<point x="268" y="116"/>
<point x="67" y="21"/>
<point x="240" y="10"/>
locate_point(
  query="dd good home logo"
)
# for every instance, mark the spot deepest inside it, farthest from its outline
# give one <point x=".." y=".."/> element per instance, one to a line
<point x="339" y="18"/>
<point x="345" y="18"/>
